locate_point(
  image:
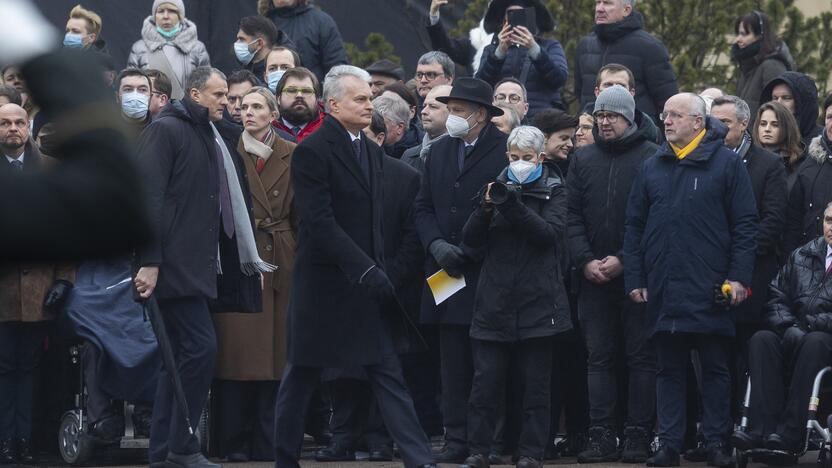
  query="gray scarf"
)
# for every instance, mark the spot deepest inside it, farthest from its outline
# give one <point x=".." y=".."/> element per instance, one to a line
<point x="427" y="141"/>
<point x="261" y="149"/>
<point x="250" y="261"/>
<point x="745" y="144"/>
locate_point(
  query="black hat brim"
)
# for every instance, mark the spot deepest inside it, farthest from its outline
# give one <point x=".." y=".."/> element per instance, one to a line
<point x="492" y="109"/>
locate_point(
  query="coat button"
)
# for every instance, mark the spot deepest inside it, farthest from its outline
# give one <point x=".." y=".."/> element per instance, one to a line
<point x="456" y="184"/>
<point x="211" y="197"/>
<point x="25" y="272"/>
<point x="453" y="209"/>
<point x="276" y="193"/>
<point x="268" y="220"/>
<point x="269" y="248"/>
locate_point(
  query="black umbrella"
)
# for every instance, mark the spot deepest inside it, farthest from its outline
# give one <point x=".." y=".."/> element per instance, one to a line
<point x="151" y="310"/>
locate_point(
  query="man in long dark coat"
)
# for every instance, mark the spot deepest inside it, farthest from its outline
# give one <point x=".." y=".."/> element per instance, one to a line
<point x="343" y="311"/>
<point x="456" y="169"/>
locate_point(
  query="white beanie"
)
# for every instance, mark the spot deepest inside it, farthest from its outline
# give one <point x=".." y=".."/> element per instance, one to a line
<point x="179" y="4"/>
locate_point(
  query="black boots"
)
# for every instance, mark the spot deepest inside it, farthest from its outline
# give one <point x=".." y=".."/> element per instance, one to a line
<point x="665" y="456"/>
<point x="601" y="447"/>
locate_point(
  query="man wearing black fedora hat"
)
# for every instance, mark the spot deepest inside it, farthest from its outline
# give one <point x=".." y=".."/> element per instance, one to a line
<point x="456" y="169"/>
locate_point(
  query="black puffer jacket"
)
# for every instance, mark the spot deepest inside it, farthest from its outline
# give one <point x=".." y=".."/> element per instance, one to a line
<point x="314" y="33"/>
<point x="520" y="294"/>
<point x="628" y="44"/>
<point x="600" y="176"/>
<point x="801" y="289"/>
<point x="805" y="94"/>
<point x="811" y="192"/>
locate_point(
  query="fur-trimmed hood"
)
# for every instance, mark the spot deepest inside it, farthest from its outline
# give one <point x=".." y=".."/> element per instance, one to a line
<point x="817" y="150"/>
<point x="185" y="41"/>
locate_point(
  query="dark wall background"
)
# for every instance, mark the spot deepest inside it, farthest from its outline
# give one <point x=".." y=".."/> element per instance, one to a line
<point x="400" y="21"/>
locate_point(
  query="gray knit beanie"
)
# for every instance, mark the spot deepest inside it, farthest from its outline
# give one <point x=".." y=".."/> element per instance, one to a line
<point x="616" y="99"/>
<point x="179" y="4"/>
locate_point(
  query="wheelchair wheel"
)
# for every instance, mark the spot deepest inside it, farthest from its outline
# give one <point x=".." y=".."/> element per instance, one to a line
<point x="741" y="459"/>
<point x="73" y="444"/>
<point x="203" y="428"/>
<point x="824" y="458"/>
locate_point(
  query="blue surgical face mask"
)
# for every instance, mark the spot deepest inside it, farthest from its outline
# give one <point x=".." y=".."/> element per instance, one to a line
<point x="243" y="54"/>
<point x="134" y="105"/>
<point x="73" y="41"/>
<point x="274" y="78"/>
<point x="170" y="34"/>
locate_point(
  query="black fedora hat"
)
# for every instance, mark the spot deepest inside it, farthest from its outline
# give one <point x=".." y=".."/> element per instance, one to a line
<point x="386" y="68"/>
<point x="496" y="11"/>
<point x="472" y="90"/>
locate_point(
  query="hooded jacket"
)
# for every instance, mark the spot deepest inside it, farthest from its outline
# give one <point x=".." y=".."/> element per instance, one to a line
<point x="178" y="155"/>
<point x="192" y="51"/>
<point x="600" y="177"/>
<point x="628" y="44"/>
<point x="753" y="74"/>
<point x="805" y="94"/>
<point x="811" y="192"/>
<point x="520" y="294"/>
<point x="691" y="224"/>
<point x="314" y="33"/>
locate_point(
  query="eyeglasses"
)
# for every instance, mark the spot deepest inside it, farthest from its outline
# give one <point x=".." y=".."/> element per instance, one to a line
<point x="302" y="91"/>
<point x="610" y="117"/>
<point x="429" y="75"/>
<point x="512" y="98"/>
<point x="674" y="116"/>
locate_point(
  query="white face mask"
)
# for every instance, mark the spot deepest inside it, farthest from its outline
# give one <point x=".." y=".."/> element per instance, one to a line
<point x="457" y="126"/>
<point x="522" y="169"/>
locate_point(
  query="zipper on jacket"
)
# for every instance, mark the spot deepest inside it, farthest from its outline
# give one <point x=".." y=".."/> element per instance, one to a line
<point x="695" y="183"/>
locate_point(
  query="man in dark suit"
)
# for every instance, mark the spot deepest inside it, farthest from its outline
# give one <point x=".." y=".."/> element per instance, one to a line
<point x="203" y="250"/>
<point x="456" y="169"/>
<point x="343" y="311"/>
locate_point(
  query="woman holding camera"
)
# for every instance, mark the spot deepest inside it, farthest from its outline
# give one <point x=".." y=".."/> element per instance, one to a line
<point x="521" y="302"/>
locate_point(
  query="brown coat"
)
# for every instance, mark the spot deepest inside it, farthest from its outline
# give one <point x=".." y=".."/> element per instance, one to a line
<point x="253" y="346"/>
<point x="23" y="287"/>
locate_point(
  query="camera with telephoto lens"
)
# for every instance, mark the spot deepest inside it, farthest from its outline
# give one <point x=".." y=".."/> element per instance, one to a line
<point x="501" y="192"/>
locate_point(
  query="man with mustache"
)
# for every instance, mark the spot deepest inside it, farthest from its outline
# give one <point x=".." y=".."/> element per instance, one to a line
<point x="297" y="99"/>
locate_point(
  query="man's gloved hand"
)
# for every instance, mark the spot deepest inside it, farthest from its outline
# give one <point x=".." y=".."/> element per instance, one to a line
<point x="449" y="257"/>
<point x="791" y="338"/>
<point x="378" y="284"/>
<point x="57" y="294"/>
<point x="820" y="322"/>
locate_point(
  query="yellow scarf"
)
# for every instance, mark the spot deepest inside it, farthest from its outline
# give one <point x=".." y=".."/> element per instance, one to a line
<point x="682" y="152"/>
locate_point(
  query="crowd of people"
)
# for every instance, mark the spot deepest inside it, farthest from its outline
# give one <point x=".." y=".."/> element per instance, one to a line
<point x="626" y="270"/>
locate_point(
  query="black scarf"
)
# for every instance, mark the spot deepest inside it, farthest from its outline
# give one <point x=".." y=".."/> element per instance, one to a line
<point x="747" y="54"/>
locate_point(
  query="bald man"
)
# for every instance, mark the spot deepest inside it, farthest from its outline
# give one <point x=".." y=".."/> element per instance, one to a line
<point x="26" y="293"/>
<point x="434" y="114"/>
<point x="691" y="227"/>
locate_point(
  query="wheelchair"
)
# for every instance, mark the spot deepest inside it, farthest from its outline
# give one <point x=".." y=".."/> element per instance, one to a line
<point x="76" y="445"/>
<point x="813" y="427"/>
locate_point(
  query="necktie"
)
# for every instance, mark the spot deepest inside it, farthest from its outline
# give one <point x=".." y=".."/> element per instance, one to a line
<point x="261" y="163"/>
<point x="295" y="131"/>
<point x="17" y="164"/>
<point x="829" y="270"/>
<point x="362" y="161"/>
<point x="226" y="213"/>
<point x="466" y="151"/>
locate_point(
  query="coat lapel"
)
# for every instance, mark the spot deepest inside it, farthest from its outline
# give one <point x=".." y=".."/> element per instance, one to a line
<point x="482" y="148"/>
<point x="258" y="191"/>
<point x="276" y="166"/>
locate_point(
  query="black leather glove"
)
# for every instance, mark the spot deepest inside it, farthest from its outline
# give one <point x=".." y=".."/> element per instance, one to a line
<point x="449" y="257"/>
<point x="57" y="294"/>
<point x="378" y="284"/>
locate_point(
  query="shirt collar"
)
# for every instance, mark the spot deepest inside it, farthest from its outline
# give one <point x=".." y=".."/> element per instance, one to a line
<point x="19" y="158"/>
<point x="353" y="137"/>
<point x="291" y="125"/>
